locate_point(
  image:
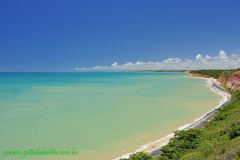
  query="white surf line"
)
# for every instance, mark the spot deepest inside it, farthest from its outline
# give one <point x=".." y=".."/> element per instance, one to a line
<point x="164" y="140"/>
<point x="158" y="144"/>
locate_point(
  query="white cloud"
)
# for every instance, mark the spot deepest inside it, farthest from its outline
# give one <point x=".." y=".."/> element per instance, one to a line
<point x="221" y="61"/>
<point x="207" y="57"/>
<point x="222" y="55"/>
<point x="199" y="57"/>
<point x="114" y="64"/>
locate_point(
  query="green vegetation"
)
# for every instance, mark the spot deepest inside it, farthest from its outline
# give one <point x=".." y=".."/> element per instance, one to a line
<point x="214" y="73"/>
<point x="139" y="156"/>
<point x="217" y="139"/>
<point x="182" y="142"/>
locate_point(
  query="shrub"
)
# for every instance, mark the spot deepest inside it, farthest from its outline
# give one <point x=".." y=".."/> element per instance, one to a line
<point x="238" y="153"/>
<point x="220" y="116"/>
<point x="139" y="156"/>
<point x="234" y="130"/>
<point x="207" y="148"/>
<point x="182" y="141"/>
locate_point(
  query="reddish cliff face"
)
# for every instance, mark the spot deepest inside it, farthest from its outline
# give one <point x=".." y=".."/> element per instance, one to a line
<point x="234" y="81"/>
<point x="222" y="79"/>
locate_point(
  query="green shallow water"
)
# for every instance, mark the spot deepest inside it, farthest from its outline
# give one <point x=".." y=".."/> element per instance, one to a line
<point x="103" y="115"/>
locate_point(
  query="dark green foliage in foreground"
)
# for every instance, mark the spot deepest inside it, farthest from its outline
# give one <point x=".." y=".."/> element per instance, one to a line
<point x="217" y="139"/>
<point x="182" y="141"/>
<point x="139" y="156"/>
<point x="234" y="131"/>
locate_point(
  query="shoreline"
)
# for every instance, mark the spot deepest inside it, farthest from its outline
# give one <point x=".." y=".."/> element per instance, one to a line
<point x="154" y="147"/>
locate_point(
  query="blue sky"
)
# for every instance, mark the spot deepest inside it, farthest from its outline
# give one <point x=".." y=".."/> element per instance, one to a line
<point x="55" y="35"/>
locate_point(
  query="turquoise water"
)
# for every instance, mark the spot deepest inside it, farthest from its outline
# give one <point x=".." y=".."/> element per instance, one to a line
<point x="103" y="115"/>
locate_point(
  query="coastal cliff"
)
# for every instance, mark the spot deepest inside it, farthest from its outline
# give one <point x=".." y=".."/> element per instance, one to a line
<point x="216" y="139"/>
<point x="222" y="79"/>
<point x="233" y="81"/>
<point x="230" y="78"/>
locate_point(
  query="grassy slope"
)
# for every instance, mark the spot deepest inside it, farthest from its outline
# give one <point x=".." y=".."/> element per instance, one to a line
<point x="220" y="137"/>
<point x="217" y="139"/>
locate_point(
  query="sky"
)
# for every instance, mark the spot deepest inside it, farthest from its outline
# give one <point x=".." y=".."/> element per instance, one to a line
<point x="220" y="61"/>
<point x="57" y="35"/>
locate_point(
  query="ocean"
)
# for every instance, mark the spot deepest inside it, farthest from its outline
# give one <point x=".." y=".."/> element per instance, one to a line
<point x="102" y="115"/>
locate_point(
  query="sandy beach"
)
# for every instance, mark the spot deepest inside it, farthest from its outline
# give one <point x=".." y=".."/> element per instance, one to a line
<point x="154" y="147"/>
